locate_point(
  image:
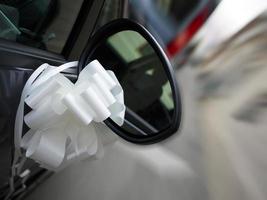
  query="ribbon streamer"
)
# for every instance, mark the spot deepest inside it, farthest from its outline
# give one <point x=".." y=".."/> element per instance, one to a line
<point x="63" y="113"/>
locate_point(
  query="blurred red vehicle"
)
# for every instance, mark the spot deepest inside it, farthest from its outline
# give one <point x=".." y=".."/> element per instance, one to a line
<point x="172" y="22"/>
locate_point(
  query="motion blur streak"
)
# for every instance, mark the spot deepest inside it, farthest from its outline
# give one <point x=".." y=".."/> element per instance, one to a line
<point x="184" y="37"/>
<point x="227" y="19"/>
<point x="232" y="79"/>
<point x="160" y="161"/>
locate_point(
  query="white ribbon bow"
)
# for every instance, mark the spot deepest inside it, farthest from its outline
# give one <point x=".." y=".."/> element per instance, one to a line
<point x="62" y="111"/>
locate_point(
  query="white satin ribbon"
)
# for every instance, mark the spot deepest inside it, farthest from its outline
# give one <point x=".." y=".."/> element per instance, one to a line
<point x="63" y="113"/>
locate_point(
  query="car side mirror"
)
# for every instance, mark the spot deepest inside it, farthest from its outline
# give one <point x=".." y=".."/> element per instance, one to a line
<point x="151" y="94"/>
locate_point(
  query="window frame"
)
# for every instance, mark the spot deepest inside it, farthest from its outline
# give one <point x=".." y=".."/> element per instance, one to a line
<point x="79" y="33"/>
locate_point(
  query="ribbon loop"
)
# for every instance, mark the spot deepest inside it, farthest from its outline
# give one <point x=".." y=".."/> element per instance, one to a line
<point x="61" y="127"/>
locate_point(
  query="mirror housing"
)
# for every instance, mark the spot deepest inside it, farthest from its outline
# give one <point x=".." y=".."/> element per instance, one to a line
<point x="103" y="34"/>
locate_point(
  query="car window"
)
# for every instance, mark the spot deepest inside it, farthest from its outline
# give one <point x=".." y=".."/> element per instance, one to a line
<point x="43" y="24"/>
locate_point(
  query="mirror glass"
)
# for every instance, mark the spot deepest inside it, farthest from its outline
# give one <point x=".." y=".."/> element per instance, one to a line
<point x="147" y="92"/>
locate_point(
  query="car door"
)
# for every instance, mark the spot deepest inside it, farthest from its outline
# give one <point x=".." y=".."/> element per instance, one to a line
<point x="29" y="36"/>
<point x="167" y="170"/>
<point x="127" y="171"/>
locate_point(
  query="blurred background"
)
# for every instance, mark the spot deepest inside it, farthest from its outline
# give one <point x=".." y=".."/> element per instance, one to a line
<point x="219" y="52"/>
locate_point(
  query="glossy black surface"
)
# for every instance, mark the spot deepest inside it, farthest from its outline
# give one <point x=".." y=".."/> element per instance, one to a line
<point x="141" y="134"/>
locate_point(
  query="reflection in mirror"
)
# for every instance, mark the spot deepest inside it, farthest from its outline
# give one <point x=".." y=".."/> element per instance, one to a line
<point x="147" y="92"/>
